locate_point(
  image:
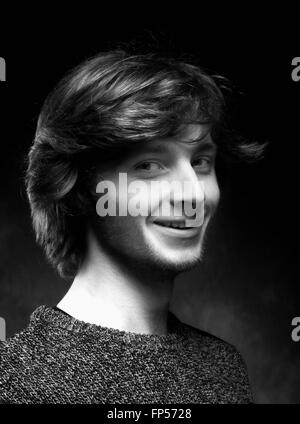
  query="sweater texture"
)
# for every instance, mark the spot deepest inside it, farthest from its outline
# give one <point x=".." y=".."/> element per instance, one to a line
<point x="59" y="359"/>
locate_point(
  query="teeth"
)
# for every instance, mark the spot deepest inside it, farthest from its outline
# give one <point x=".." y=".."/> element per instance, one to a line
<point x="177" y="225"/>
<point x="172" y="224"/>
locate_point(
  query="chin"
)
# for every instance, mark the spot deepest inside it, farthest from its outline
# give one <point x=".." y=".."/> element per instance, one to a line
<point x="176" y="262"/>
<point x="174" y="257"/>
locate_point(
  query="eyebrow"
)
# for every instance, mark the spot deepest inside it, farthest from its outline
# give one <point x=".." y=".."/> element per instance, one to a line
<point x="199" y="144"/>
<point x="206" y="145"/>
<point x="202" y="143"/>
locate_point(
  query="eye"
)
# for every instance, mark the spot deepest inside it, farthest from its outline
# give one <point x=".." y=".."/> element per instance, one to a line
<point x="148" y="166"/>
<point x="203" y="164"/>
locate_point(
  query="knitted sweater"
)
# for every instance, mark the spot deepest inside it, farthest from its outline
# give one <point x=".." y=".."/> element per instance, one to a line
<point x="59" y="359"/>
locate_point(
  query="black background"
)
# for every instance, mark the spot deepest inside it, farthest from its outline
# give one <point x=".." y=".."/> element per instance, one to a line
<point x="246" y="291"/>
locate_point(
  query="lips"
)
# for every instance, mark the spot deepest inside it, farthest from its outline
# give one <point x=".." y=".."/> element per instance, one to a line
<point x="178" y="224"/>
<point x="176" y="230"/>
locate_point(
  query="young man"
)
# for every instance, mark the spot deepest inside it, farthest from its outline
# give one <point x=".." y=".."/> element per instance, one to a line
<point x="112" y="338"/>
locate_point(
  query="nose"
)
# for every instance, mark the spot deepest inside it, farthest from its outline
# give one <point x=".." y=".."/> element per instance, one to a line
<point x="189" y="200"/>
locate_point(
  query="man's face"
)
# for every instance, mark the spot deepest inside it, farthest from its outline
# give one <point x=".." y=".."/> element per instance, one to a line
<point x="151" y="240"/>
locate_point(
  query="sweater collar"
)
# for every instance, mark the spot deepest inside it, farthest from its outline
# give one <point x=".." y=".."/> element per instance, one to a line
<point x="48" y="316"/>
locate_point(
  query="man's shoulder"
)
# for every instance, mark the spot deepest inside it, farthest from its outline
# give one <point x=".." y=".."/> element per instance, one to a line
<point x="208" y="339"/>
<point x="20" y="359"/>
<point x="12" y="354"/>
<point x="222" y="362"/>
<point x="216" y="348"/>
<point x="14" y="351"/>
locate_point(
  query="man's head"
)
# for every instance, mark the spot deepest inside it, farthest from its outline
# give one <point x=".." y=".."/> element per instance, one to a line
<point x="155" y="230"/>
<point x="146" y="116"/>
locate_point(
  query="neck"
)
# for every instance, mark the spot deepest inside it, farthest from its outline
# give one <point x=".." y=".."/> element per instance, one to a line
<point x="114" y="294"/>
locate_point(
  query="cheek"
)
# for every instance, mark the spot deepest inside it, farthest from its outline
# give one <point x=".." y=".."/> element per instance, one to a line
<point x="120" y="231"/>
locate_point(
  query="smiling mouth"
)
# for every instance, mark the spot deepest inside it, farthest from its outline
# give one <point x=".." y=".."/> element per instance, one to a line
<point x="178" y="225"/>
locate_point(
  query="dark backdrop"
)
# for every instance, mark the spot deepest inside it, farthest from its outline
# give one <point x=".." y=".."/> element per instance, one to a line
<point x="246" y="291"/>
